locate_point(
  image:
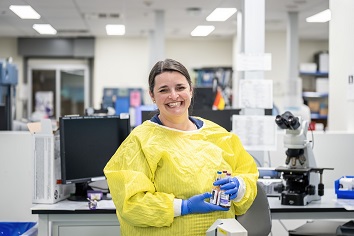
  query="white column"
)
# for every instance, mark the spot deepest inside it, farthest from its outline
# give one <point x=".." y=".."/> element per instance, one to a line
<point x="293" y="85"/>
<point x="292" y="46"/>
<point x="253" y="39"/>
<point x="341" y="64"/>
<point x="157" y="39"/>
<point x="236" y="49"/>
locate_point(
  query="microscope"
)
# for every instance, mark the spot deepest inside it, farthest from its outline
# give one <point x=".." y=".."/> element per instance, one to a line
<point x="302" y="180"/>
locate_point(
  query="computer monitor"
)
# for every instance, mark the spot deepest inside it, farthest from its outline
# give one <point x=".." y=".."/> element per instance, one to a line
<point x="86" y="145"/>
<point x="220" y="117"/>
<point x="203" y="98"/>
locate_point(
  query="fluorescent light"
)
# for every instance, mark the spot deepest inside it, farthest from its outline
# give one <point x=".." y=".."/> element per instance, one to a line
<point x="25" y="12"/>
<point x="202" y="30"/>
<point x="221" y="14"/>
<point x="44" y="29"/>
<point x="321" y="17"/>
<point x="115" y="29"/>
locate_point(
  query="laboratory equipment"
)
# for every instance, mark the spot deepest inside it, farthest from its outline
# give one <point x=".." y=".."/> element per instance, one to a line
<point x="47" y="188"/>
<point x="270" y="181"/>
<point x="8" y="82"/>
<point x="302" y="178"/>
<point x="344" y="187"/>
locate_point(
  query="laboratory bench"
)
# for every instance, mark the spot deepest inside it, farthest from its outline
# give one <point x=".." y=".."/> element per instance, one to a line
<point x="75" y="218"/>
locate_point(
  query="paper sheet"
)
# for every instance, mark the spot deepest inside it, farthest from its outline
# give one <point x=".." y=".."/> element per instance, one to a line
<point x="256" y="93"/>
<point x="348" y="204"/>
<point x="257" y="133"/>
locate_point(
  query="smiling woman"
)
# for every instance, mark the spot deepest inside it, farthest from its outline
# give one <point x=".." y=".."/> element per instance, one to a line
<point x="161" y="176"/>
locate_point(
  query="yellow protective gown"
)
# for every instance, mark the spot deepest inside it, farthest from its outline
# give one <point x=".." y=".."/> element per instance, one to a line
<point x="156" y="164"/>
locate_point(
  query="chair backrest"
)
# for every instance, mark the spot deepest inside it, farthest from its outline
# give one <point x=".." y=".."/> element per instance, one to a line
<point x="257" y="220"/>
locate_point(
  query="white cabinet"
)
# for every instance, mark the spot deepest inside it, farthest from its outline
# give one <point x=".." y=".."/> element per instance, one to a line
<point x="96" y="223"/>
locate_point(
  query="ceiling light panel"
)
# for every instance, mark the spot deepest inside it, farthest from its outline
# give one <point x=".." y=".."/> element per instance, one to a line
<point x="221" y="14"/>
<point x="202" y="30"/>
<point x="115" y="29"/>
<point x="321" y="17"/>
<point x="44" y="29"/>
<point x="25" y="12"/>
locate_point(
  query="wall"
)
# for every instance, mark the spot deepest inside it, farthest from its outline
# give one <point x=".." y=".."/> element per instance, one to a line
<point x="119" y="62"/>
<point x="341" y="111"/>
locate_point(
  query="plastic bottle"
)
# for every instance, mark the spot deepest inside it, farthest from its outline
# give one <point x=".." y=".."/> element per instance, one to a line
<point x="214" y="199"/>
<point x="224" y="198"/>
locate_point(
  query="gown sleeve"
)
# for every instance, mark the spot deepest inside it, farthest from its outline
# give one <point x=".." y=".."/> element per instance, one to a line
<point x="130" y="179"/>
<point x="246" y="168"/>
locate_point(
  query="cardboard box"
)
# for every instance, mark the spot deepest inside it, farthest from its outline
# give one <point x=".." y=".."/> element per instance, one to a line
<point x="314" y="106"/>
<point x="46" y="162"/>
<point x="226" y="227"/>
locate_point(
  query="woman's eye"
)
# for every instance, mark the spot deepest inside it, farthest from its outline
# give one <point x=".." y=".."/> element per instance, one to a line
<point x="181" y="88"/>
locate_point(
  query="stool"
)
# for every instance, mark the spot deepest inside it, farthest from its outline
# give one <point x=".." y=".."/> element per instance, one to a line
<point x="320" y="228"/>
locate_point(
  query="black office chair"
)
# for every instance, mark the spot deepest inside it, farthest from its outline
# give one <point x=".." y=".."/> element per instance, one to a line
<point x="257" y="220"/>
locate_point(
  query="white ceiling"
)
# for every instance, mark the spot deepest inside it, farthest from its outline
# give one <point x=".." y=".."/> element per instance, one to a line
<point x="74" y="18"/>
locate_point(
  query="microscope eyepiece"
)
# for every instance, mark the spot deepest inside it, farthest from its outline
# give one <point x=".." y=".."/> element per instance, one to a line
<point x="281" y="122"/>
<point x="293" y="122"/>
<point x="287" y="121"/>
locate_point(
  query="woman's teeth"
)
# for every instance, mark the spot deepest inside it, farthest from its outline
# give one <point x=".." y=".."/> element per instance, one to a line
<point x="174" y="104"/>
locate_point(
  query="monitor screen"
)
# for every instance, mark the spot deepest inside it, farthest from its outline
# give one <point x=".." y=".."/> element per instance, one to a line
<point x="203" y="98"/>
<point x="86" y="145"/>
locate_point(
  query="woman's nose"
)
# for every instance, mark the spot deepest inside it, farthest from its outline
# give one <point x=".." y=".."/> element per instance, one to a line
<point x="174" y="95"/>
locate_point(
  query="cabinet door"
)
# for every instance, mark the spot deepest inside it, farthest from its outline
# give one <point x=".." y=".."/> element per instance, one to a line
<point x="89" y="230"/>
<point x="84" y="224"/>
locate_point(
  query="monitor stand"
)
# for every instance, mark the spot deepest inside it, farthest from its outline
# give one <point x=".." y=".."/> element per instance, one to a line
<point x="80" y="194"/>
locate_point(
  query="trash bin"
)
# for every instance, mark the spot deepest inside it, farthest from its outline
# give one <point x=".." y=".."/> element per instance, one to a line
<point x="18" y="228"/>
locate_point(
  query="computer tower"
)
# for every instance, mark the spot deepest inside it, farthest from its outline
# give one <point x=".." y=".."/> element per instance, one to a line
<point x="47" y="176"/>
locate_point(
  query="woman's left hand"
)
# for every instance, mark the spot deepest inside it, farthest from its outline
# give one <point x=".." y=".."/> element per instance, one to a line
<point x="231" y="186"/>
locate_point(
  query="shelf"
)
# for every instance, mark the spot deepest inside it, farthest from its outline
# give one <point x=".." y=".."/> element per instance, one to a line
<point x="318" y="116"/>
<point x="314" y="95"/>
<point x="317" y="74"/>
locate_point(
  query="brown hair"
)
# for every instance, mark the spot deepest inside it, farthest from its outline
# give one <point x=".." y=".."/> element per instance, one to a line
<point x="167" y="65"/>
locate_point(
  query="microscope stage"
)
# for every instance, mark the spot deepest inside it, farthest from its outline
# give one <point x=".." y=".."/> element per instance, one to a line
<point x="297" y="170"/>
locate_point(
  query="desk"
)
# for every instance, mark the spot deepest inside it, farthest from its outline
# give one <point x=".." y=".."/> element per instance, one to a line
<point x="74" y="218"/>
<point x="328" y="207"/>
<point x="67" y="218"/>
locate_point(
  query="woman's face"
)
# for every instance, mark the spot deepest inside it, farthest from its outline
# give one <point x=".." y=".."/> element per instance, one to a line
<point x="172" y="95"/>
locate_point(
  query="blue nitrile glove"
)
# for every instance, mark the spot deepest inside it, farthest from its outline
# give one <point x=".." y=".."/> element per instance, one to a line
<point x="231" y="186"/>
<point x="196" y="204"/>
